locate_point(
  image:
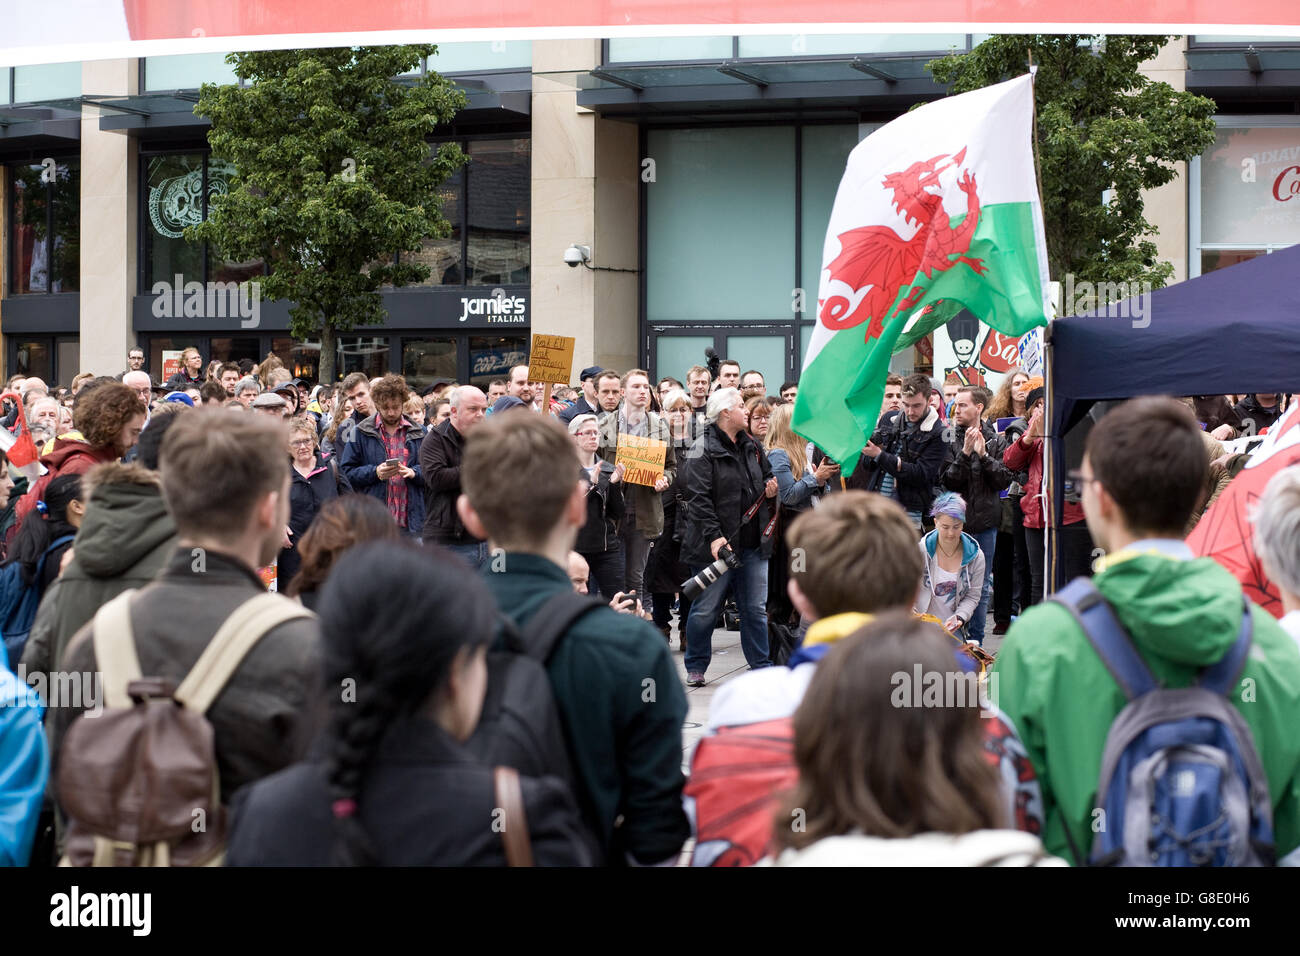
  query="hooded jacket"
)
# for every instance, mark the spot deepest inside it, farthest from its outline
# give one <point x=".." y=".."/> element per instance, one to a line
<point x="970" y="580"/>
<point x="1182" y="615"/>
<point x="71" y="456"/>
<point x="1252" y="417"/>
<point x="25" y="761"/>
<point x="125" y="538"/>
<point x="913" y="455"/>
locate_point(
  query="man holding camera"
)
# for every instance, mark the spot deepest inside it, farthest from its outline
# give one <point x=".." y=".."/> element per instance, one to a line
<point x="729" y="496"/>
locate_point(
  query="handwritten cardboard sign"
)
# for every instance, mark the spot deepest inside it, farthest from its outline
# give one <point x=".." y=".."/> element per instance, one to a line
<point x="551" y="359"/>
<point x="643" y="459"/>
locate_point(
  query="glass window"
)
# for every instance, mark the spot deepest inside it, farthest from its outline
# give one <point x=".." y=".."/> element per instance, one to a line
<point x="500" y="191"/>
<point x="1212" y="259"/>
<point x="301" y="357"/>
<point x="220" y="173"/>
<point x="492" y="356"/>
<point x="674" y="354"/>
<point x="646" y="49"/>
<point x="186" y="72"/>
<point x="173" y="200"/>
<point x="67" y="359"/>
<point x="443" y="256"/>
<point x="6" y="76"/>
<point x="720" y="224"/>
<point x="362" y="353"/>
<point x="425" y="361"/>
<point x="1250" y="186"/>
<point x="849" y="44"/>
<point x="480" y="56"/>
<point x="45" y="239"/>
<point x="49" y="81"/>
<point x="32" y="358"/>
<point x="165" y="354"/>
<point x="233" y="348"/>
<point x="825" y="152"/>
<point x="762" y="353"/>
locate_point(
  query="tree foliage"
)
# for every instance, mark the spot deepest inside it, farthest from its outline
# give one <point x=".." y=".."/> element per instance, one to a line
<point x="1104" y="129"/>
<point x="334" y="175"/>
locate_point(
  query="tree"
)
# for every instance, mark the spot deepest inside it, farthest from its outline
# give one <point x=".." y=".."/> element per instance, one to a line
<point x="1105" y="133"/>
<point x="334" y="176"/>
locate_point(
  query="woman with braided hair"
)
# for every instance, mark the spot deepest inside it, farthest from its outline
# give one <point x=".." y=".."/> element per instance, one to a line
<point x="404" y="634"/>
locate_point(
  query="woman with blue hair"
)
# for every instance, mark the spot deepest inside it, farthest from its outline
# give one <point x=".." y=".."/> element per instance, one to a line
<point x="954" y="566"/>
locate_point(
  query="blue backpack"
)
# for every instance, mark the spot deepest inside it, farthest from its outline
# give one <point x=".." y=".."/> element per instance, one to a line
<point x="1181" y="782"/>
<point x="19" y="601"/>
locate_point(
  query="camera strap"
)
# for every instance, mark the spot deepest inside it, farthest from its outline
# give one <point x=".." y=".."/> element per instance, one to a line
<point x="753" y="510"/>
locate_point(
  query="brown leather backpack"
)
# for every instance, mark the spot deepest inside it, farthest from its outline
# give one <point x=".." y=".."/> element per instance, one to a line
<point x="139" y="781"/>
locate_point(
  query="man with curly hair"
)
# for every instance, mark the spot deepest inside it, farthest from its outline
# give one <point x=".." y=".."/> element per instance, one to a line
<point x="381" y="457"/>
<point x="109" y="417"/>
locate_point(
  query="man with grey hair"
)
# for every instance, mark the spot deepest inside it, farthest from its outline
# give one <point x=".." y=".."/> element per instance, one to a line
<point x="728" y="494"/>
<point x="140" y="383"/>
<point x="1277" y="542"/>
<point x="440" y="455"/>
<point x="247" y="389"/>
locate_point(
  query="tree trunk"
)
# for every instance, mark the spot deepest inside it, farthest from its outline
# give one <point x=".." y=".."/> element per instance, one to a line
<point x="328" y="351"/>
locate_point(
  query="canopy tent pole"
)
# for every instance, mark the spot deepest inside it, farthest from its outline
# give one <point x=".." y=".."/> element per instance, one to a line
<point x="1048" y="491"/>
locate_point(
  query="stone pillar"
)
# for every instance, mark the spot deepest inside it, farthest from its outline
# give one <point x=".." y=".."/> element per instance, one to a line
<point x="584" y="191"/>
<point x="108" y="224"/>
<point x="1166" y="207"/>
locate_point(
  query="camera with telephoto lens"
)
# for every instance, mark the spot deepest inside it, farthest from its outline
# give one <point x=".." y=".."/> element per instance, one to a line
<point x="727" y="560"/>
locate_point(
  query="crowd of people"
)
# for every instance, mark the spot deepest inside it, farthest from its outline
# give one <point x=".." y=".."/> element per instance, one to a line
<point x="472" y="637"/>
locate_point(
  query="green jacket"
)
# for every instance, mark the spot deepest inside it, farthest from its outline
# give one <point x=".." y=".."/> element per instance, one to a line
<point x="622" y="707"/>
<point x="1181" y="615"/>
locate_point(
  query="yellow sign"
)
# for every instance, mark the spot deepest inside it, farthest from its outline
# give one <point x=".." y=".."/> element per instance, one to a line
<point x="643" y="459"/>
<point x="551" y="359"/>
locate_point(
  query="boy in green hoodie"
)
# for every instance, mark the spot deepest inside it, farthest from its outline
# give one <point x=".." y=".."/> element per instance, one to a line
<point x="1142" y="471"/>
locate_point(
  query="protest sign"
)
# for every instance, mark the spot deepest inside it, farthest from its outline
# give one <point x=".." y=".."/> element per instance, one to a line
<point x="643" y="459"/>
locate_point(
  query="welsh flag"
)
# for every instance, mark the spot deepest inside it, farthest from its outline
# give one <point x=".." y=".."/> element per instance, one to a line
<point x="937" y="211"/>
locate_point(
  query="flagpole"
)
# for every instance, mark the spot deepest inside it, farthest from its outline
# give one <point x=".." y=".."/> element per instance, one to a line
<point x="1050" y="541"/>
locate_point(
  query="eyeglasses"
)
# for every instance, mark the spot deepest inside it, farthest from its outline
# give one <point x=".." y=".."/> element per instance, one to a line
<point x="588" y="434"/>
<point x="301" y="443"/>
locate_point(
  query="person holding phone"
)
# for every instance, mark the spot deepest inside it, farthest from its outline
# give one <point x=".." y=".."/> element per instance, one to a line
<point x="381" y="457"/>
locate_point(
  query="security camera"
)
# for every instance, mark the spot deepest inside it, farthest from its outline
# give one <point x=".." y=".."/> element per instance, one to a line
<point x="577" y="255"/>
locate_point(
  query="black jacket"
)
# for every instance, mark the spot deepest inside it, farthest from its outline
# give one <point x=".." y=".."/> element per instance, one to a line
<point x="440" y="463"/>
<point x="1251" y="413"/>
<point x="913" y="456"/>
<point x="978" y="478"/>
<point x="604" y="513"/>
<point x="721" y="480"/>
<point x="580" y="407"/>
<point x="425" y="802"/>
<point x="306" y="498"/>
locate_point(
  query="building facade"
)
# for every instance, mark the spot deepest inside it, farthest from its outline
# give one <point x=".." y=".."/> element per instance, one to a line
<point x="699" y="171"/>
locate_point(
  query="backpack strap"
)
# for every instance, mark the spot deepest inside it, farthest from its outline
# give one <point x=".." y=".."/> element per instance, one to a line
<point x="115" y="655"/>
<point x="552" y="621"/>
<point x="1102" y="628"/>
<point x="1222" y="676"/>
<point x="247" y="625"/>
<point x="514" y="832"/>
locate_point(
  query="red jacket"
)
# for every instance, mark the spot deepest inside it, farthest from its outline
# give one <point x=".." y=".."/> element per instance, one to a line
<point x="70" y="456"/>
<point x="1021" y="453"/>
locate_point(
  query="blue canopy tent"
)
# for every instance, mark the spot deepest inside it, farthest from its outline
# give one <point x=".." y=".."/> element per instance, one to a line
<point x="1232" y="331"/>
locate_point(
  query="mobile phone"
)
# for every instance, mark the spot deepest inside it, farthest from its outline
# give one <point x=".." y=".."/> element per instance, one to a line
<point x="393" y="461"/>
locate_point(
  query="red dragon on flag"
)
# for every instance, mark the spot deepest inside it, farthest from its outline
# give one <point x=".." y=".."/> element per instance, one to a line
<point x="878" y="263"/>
